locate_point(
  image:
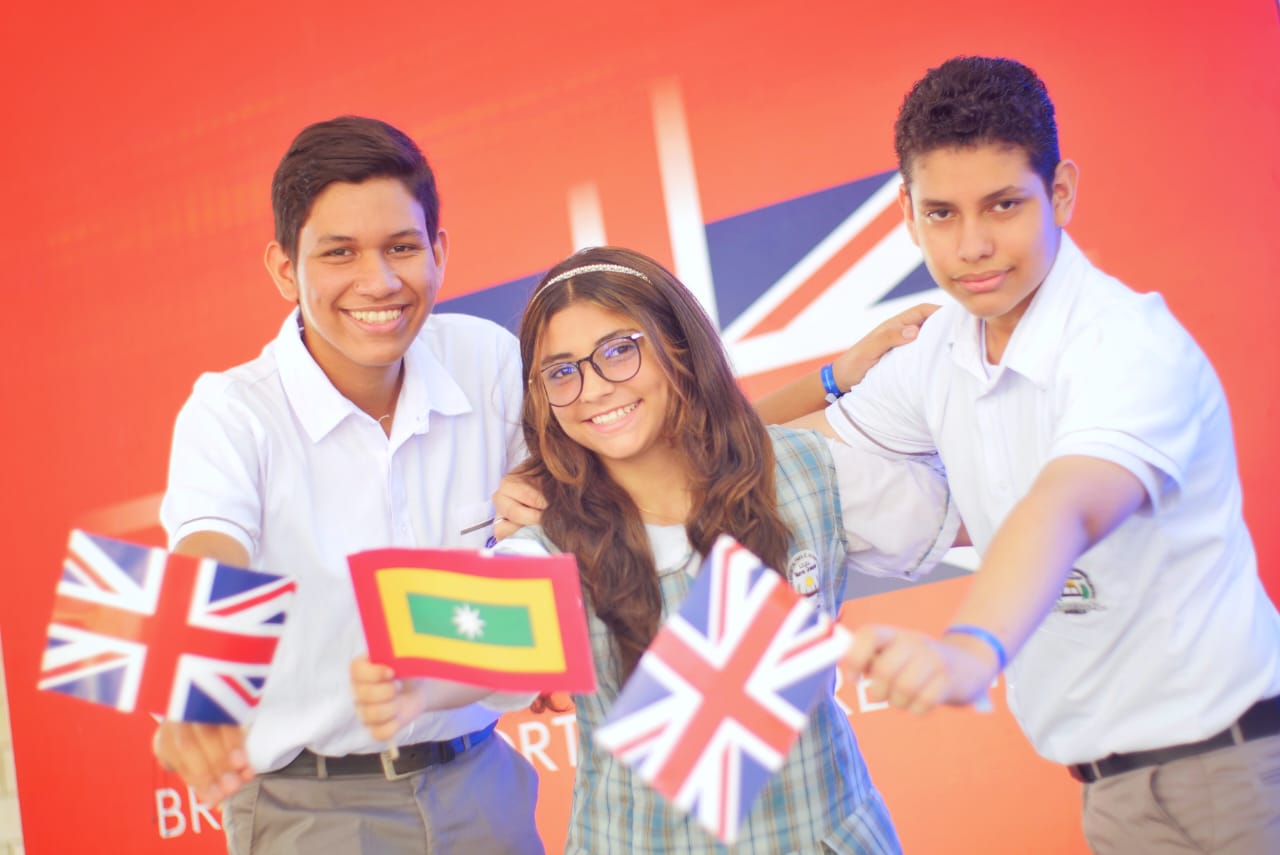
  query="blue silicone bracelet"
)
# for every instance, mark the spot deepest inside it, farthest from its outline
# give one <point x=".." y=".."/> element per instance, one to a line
<point x="983" y="635"/>
<point x="829" y="381"/>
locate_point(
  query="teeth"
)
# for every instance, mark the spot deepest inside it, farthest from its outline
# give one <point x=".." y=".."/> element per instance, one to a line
<point x="380" y="316"/>
<point x="611" y="417"/>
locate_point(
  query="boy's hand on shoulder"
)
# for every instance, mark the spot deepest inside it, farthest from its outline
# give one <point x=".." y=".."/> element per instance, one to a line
<point x="916" y="672"/>
<point x="852" y="365"/>
<point x="210" y="758"/>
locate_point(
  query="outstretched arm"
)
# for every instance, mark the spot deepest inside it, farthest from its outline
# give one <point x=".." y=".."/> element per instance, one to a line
<point x="1073" y="503"/>
<point x="807" y="394"/>
<point x="210" y="758"/>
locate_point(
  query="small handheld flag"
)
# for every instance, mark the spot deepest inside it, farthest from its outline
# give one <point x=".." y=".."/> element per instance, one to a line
<point x="723" y="691"/>
<point x="138" y="628"/>
<point x="509" y="622"/>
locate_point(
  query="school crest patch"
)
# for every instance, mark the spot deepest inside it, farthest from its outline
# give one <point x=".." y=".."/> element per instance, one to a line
<point x="802" y="572"/>
<point x="1079" y="596"/>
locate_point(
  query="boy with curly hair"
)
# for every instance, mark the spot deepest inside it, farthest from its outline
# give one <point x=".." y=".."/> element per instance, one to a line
<point x="1089" y="448"/>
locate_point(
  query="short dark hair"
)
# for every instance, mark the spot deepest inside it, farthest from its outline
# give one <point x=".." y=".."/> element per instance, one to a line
<point x="352" y="149"/>
<point x="974" y="100"/>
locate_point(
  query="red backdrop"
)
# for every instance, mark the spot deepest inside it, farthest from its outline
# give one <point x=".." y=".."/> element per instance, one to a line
<point x="140" y="145"/>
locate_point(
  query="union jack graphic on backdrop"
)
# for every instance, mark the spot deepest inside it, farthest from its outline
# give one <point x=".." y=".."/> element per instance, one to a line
<point x="792" y="282"/>
<point x="722" y="693"/>
<point x="137" y="628"/>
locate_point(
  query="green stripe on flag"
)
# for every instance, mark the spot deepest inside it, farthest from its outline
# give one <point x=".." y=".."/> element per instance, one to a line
<point x="507" y="626"/>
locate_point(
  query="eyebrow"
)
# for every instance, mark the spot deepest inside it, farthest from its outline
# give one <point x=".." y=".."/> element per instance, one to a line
<point x="403" y="233"/>
<point x="990" y="197"/>
<point x="568" y="357"/>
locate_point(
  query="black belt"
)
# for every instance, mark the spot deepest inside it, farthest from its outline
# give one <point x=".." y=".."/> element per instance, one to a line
<point x="411" y="759"/>
<point x="1261" y="719"/>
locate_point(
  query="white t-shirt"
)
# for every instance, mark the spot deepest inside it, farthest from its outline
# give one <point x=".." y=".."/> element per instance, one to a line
<point x="1163" y="634"/>
<point x="271" y="454"/>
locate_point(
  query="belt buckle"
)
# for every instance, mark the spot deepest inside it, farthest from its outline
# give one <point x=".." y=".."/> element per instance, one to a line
<point x="388" y="759"/>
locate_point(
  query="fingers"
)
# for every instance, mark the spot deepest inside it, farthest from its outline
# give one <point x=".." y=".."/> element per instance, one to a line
<point x="913" y="671"/>
<point x="518" y="503"/>
<point x="514" y="512"/>
<point x="519" y="490"/>
<point x="504" y="528"/>
<point x="852" y="365"/>
<point x="915" y="316"/>
<point x="366" y="674"/>
<point x="902" y="667"/>
<point x="233" y="749"/>
<point x="377" y="695"/>
<point x="902" y="327"/>
<point x="384" y="703"/>
<point x="550" y="702"/>
<point x="908" y="672"/>
<point x="210" y="758"/>
<point x="929" y="696"/>
<point x="867" y="642"/>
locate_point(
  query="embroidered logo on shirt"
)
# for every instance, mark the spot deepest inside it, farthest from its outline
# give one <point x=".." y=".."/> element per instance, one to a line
<point x="1078" y="595"/>
<point x="802" y="572"/>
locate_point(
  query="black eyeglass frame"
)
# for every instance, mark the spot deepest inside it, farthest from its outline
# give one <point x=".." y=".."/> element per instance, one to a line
<point x="591" y="360"/>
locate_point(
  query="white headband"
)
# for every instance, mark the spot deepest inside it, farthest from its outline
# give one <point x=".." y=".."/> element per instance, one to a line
<point x="597" y="268"/>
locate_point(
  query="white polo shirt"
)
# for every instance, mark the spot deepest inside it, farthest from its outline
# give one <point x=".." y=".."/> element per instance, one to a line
<point x="1163" y="634"/>
<point x="273" y="455"/>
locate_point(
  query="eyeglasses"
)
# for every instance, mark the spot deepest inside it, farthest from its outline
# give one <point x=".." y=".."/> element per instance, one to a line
<point x="616" y="360"/>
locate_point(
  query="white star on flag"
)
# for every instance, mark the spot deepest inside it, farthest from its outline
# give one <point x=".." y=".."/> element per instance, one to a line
<point x="468" y="621"/>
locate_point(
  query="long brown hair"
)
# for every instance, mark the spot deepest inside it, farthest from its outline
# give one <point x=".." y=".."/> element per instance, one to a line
<point x="711" y="423"/>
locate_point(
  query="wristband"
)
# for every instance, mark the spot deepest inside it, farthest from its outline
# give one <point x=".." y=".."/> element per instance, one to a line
<point x="982" y="635"/>
<point x="829" y="383"/>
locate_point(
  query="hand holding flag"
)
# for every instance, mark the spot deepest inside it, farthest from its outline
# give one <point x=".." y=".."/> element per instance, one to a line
<point x="184" y="638"/>
<point x="511" y="623"/>
<point x="210" y="758"/>
<point x="723" y="691"/>
<point x="912" y="670"/>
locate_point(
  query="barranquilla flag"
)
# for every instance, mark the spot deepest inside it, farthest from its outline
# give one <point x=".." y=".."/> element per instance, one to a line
<point x="509" y="622"/>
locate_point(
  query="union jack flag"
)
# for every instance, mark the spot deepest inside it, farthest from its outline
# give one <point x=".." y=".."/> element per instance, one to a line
<point x="722" y="693"/>
<point x="184" y="638"/>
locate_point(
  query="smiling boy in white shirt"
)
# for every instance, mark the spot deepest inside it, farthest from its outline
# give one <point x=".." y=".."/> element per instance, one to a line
<point x="367" y="422"/>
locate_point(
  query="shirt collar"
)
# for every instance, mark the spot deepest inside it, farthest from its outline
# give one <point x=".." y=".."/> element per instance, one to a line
<point x="1037" y="338"/>
<point x="320" y="407"/>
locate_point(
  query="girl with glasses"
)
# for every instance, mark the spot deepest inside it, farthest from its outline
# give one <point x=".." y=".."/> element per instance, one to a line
<point x="646" y="450"/>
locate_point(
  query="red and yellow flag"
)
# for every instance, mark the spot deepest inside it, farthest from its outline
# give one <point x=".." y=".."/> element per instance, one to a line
<point x="510" y="622"/>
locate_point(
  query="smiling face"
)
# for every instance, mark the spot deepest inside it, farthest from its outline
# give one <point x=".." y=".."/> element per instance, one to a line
<point x="988" y="228"/>
<point x="365" y="277"/>
<point x="624" y="423"/>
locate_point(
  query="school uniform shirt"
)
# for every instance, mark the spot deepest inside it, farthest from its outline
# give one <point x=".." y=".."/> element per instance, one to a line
<point x="272" y="455"/>
<point x="823" y="794"/>
<point x="1163" y="633"/>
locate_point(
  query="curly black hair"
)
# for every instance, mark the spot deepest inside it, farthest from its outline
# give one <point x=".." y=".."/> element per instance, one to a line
<point x="975" y="100"/>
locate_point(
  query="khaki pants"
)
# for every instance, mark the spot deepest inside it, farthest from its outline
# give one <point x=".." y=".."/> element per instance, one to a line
<point x="1225" y="801"/>
<point x="482" y="802"/>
